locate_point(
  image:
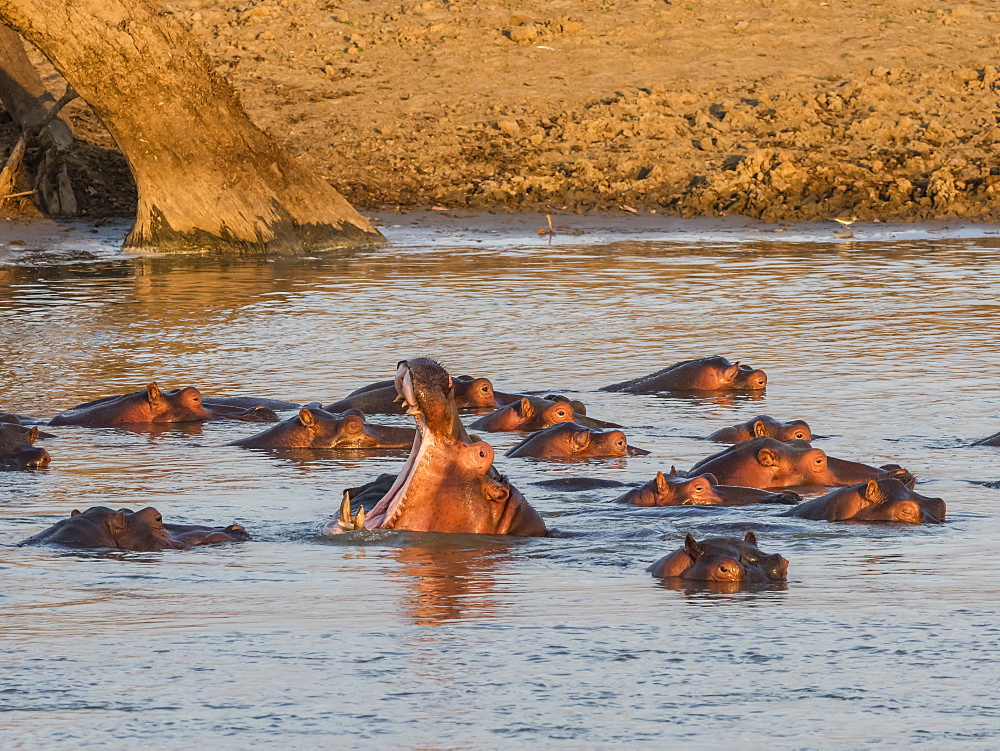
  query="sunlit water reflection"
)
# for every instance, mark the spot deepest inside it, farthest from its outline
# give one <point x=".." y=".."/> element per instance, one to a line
<point x="884" y="634"/>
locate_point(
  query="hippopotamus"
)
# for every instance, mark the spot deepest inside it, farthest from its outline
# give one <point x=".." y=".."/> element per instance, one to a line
<point x="449" y="483"/>
<point x="102" y="527"/>
<point x="796" y="430"/>
<point x="381" y="397"/>
<point x="314" y="428"/>
<point x="567" y="440"/>
<point x="154" y="405"/>
<point x="537" y="413"/>
<point x="722" y="559"/>
<point x="769" y="463"/>
<point x="17" y="449"/>
<point x="704" y="374"/>
<point x="700" y="490"/>
<point x="886" y="500"/>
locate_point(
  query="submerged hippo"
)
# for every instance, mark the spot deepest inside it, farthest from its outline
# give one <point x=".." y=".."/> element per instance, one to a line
<point x="704" y="374"/>
<point x="886" y="500"/>
<point x="381" y="397"/>
<point x="155" y="405"/>
<point x="769" y="463"/>
<point x="449" y="483"/>
<point x="567" y="440"/>
<point x="315" y="428"/>
<point x="537" y="413"/>
<point x="795" y="430"/>
<point x="18" y="450"/>
<point x="993" y="440"/>
<point x="102" y="527"/>
<point x="722" y="559"/>
<point x="701" y="490"/>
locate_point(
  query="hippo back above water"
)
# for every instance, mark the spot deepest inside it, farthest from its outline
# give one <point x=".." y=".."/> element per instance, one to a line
<point x="764" y="425"/>
<point x="144" y="530"/>
<point x="318" y="429"/>
<point x="705" y="374"/>
<point x="147" y="406"/>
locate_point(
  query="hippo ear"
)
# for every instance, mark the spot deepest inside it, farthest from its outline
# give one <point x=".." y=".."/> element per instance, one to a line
<point x="117" y="522"/>
<point x="578" y="407"/>
<point x="767" y="458"/>
<point x="750" y="537"/>
<point x="306" y="417"/>
<point x="32" y="435"/>
<point x="731" y="372"/>
<point x="693" y="547"/>
<point x="525" y="408"/>
<point x="758" y="428"/>
<point x="673" y="470"/>
<point x="873" y="492"/>
<point x="153" y="393"/>
<point x="661" y="483"/>
<point x="74" y="512"/>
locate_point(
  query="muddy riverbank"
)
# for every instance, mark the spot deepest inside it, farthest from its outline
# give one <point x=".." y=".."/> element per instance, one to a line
<point x="779" y="111"/>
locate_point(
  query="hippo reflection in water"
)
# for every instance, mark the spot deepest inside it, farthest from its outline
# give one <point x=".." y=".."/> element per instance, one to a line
<point x="449" y="483"/>
<point x="102" y="527"/>
<point x="153" y="405"/>
<point x="886" y="500"/>
<point x="701" y="490"/>
<point x="763" y="425"/>
<point x="722" y="559"/>
<point x="768" y="463"/>
<point x="18" y="449"/>
<point x="703" y="374"/>
<point x="567" y="440"/>
<point x="318" y="429"/>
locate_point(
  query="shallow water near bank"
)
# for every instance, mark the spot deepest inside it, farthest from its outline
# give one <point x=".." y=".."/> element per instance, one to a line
<point x="884" y="634"/>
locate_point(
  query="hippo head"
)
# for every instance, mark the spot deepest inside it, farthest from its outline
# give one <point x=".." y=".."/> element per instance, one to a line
<point x="530" y="413"/>
<point x="179" y="405"/>
<point x="102" y="527"/>
<point x="883" y="500"/>
<point x="568" y="440"/>
<point x="718" y="374"/>
<point x="747" y="378"/>
<point x="349" y="430"/>
<point x="794" y="430"/>
<point x="17" y="449"/>
<point x="673" y="490"/>
<point x="722" y="559"/>
<point x="474" y="393"/>
<point x="448" y="483"/>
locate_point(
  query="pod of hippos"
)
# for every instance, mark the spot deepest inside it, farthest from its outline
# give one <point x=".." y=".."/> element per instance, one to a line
<point x="449" y="483"/>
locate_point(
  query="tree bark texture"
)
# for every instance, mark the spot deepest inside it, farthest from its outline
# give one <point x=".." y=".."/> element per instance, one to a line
<point x="207" y="177"/>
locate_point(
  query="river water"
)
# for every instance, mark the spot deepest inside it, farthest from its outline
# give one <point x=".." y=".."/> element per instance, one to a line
<point x="886" y="343"/>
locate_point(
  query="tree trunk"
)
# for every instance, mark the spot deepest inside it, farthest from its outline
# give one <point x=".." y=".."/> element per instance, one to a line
<point x="27" y="101"/>
<point x="208" y="178"/>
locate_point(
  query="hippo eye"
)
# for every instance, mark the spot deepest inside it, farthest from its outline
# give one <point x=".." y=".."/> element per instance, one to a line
<point x="698" y="489"/>
<point x="800" y="435"/>
<point x="482" y="454"/>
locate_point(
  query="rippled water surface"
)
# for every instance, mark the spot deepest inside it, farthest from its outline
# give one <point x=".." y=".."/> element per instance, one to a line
<point x="883" y="635"/>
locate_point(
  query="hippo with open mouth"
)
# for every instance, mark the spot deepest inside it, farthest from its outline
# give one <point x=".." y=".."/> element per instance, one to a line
<point x="143" y="531"/>
<point x="449" y="483"/>
<point x="703" y="374"/>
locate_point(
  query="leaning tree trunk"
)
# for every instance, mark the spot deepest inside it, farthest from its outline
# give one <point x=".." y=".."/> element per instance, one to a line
<point x="207" y="176"/>
<point x="27" y="101"/>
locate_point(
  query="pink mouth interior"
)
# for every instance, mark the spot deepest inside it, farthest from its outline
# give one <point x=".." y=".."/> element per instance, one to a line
<point x="389" y="506"/>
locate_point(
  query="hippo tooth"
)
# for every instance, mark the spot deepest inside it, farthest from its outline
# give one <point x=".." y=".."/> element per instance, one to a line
<point x="414" y="411"/>
<point x="399" y="398"/>
<point x="345" y="510"/>
<point x="359" y="520"/>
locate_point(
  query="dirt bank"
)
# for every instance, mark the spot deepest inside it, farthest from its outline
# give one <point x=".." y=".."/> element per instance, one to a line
<point x="777" y="110"/>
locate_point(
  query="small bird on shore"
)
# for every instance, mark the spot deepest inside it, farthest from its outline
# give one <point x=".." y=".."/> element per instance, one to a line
<point x="846" y="223"/>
